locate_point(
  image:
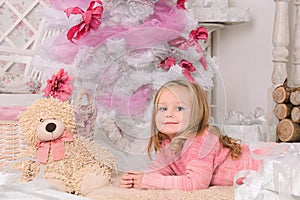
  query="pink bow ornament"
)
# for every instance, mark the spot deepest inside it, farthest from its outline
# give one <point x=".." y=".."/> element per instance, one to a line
<point x="167" y="63"/>
<point x="187" y="68"/>
<point x="91" y="19"/>
<point x="56" y="146"/>
<point x="195" y="35"/>
<point x="180" y="4"/>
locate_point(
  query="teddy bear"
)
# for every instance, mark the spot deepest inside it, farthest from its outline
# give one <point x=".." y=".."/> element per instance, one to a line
<point x="67" y="160"/>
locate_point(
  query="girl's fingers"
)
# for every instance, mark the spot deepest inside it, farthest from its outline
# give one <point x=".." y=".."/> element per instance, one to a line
<point x="137" y="180"/>
<point x="132" y="179"/>
<point x="125" y="186"/>
<point x="126" y="183"/>
<point x="134" y="172"/>
<point x="127" y="177"/>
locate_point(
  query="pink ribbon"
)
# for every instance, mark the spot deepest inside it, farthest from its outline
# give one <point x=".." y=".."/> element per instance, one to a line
<point x="91" y="19"/>
<point x="195" y="35"/>
<point x="187" y="67"/>
<point x="56" y="146"/>
<point x="167" y="63"/>
<point x="180" y="4"/>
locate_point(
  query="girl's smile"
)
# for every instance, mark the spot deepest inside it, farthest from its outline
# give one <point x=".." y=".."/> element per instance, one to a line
<point x="171" y="122"/>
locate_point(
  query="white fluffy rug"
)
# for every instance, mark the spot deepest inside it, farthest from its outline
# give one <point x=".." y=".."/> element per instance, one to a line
<point x="113" y="192"/>
<point x="40" y="189"/>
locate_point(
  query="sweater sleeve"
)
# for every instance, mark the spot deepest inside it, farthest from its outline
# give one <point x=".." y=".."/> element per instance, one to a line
<point x="160" y="165"/>
<point x="197" y="175"/>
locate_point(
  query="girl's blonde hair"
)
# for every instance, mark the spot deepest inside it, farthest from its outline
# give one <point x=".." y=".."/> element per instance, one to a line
<point x="199" y="121"/>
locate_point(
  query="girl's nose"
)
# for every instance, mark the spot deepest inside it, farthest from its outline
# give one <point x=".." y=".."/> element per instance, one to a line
<point x="169" y="114"/>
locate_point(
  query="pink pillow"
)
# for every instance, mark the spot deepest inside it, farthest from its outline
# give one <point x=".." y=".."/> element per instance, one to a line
<point x="10" y="113"/>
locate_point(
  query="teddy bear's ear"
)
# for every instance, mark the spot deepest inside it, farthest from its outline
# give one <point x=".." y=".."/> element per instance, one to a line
<point x="34" y="113"/>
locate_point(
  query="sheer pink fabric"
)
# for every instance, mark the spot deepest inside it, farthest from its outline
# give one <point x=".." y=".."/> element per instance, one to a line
<point x="166" y="23"/>
<point x="132" y="105"/>
<point x="63" y="4"/>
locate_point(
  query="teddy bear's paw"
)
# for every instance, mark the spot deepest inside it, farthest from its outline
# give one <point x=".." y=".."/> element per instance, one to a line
<point x="59" y="184"/>
<point x="93" y="182"/>
<point x="30" y="169"/>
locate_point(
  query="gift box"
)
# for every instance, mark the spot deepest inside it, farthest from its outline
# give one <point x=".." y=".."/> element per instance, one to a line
<point x="249" y="129"/>
<point x="248" y="134"/>
<point x="277" y="178"/>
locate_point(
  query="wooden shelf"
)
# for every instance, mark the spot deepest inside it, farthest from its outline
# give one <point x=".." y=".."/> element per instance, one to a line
<point x="18" y="99"/>
<point x="224" y="15"/>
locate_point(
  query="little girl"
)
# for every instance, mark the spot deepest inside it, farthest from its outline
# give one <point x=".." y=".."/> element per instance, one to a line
<point x="190" y="154"/>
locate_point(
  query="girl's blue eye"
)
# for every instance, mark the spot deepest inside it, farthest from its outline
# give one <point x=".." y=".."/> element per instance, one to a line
<point x="162" y="108"/>
<point x="180" y="108"/>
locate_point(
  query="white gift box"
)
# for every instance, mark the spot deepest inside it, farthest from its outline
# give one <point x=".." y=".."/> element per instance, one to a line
<point x="251" y="133"/>
<point x="277" y="178"/>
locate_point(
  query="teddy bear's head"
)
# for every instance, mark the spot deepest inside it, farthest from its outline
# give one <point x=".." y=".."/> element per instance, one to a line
<point x="50" y="129"/>
<point x="47" y="119"/>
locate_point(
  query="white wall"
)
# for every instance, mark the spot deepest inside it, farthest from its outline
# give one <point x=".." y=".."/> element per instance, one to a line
<point x="245" y="55"/>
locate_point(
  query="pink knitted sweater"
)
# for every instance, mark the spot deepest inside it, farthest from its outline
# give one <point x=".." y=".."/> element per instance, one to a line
<point x="203" y="162"/>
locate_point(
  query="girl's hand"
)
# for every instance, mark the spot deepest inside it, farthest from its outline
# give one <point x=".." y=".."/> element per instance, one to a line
<point x="126" y="181"/>
<point x="137" y="179"/>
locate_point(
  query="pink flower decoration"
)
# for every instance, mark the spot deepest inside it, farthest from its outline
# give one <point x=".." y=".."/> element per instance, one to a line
<point x="59" y="86"/>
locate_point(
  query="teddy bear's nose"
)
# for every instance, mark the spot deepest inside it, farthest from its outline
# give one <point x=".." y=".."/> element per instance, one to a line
<point x="50" y="127"/>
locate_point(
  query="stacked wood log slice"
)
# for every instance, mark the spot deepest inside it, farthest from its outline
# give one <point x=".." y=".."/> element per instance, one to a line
<point x="287" y="110"/>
